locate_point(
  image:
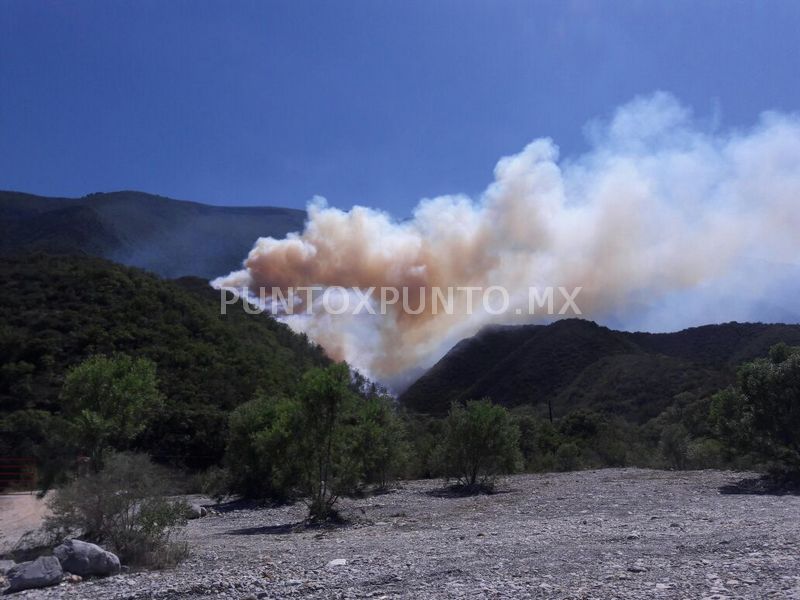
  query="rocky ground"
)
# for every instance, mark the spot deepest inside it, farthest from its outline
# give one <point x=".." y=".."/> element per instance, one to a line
<point x="620" y="533"/>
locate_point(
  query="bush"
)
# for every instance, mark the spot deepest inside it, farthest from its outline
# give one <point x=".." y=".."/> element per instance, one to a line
<point x="424" y="433"/>
<point x="763" y="411"/>
<point x="382" y="442"/>
<point x="326" y="441"/>
<point x="568" y="457"/>
<point x="480" y="441"/>
<point x="705" y="453"/>
<point x="214" y="482"/>
<point x="124" y="506"/>
<point x="260" y="455"/>
<point x="674" y="446"/>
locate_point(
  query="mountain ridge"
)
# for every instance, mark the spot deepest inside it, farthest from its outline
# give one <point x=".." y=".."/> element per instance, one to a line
<point x="576" y="363"/>
<point x="170" y="237"/>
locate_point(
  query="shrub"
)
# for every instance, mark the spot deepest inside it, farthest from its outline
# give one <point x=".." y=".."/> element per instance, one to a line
<point x="674" y="446"/>
<point x="424" y="433"/>
<point x="214" y="482"/>
<point x="705" y="453"/>
<point x="568" y="457"/>
<point x="382" y="442"/>
<point x="124" y="506"/>
<point x="261" y="455"/>
<point x="480" y="441"/>
<point x="324" y="442"/>
<point x="763" y="411"/>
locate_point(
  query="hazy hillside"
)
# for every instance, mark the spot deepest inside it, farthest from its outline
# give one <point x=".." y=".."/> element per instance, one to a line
<point x="575" y="363"/>
<point x="169" y="237"/>
<point x="56" y="311"/>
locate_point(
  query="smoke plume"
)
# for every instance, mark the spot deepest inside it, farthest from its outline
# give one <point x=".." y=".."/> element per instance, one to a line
<point x="666" y="220"/>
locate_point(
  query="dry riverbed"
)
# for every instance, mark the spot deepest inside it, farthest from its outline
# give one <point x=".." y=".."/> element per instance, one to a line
<point x="617" y="533"/>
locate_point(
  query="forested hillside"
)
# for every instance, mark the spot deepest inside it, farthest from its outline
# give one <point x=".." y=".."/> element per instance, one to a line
<point x="575" y="364"/>
<point x="56" y="311"/>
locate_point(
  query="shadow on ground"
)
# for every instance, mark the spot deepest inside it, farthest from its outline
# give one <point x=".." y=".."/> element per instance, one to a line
<point x="463" y="491"/>
<point x="763" y="486"/>
<point x="270" y="529"/>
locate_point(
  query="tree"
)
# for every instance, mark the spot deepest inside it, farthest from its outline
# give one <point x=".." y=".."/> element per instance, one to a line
<point x="109" y="401"/>
<point x="325" y="441"/>
<point x="326" y="447"/>
<point x="480" y="441"/>
<point x="382" y="441"/>
<point x="260" y="453"/>
<point x="763" y="411"/>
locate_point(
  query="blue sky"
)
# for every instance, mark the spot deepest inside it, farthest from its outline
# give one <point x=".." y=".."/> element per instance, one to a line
<point x="367" y="102"/>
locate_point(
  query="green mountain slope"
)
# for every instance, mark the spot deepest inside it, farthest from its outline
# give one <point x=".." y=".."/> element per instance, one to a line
<point x="169" y="237"/>
<point x="578" y="364"/>
<point x="56" y="311"/>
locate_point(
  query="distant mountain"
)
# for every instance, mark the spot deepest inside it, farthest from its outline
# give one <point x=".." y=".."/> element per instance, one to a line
<point x="575" y="363"/>
<point x="169" y="237"/>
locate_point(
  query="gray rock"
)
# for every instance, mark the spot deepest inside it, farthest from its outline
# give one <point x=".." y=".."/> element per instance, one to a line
<point x="6" y="566"/>
<point x="42" y="572"/>
<point x="195" y="511"/>
<point x="83" y="558"/>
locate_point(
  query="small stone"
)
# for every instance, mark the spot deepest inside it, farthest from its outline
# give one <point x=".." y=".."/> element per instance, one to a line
<point x="73" y="578"/>
<point x="663" y="586"/>
<point x="337" y="562"/>
<point x="637" y="569"/>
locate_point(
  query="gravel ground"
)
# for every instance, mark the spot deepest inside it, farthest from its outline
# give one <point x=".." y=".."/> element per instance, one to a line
<point x="617" y="533"/>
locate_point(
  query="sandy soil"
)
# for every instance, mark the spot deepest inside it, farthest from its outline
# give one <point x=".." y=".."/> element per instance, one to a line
<point x="19" y="513"/>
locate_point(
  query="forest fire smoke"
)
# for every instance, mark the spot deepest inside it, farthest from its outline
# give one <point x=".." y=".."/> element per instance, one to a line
<point x="659" y="206"/>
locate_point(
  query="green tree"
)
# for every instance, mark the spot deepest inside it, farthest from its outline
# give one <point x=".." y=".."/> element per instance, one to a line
<point x="674" y="445"/>
<point x="382" y="440"/>
<point x="109" y="401"/>
<point x="260" y="454"/>
<point x="763" y="411"/>
<point x="480" y="441"/>
<point x="326" y="447"/>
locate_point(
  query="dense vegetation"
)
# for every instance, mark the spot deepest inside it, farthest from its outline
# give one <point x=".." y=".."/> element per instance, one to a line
<point x="56" y="312"/>
<point x="762" y="412"/>
<point x="96" y="357"/>
<point x="575" y="364"/>
<point x="330" y="438"/>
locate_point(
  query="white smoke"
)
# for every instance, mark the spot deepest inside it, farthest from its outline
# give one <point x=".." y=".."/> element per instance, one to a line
<point x="661" y="223"/>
